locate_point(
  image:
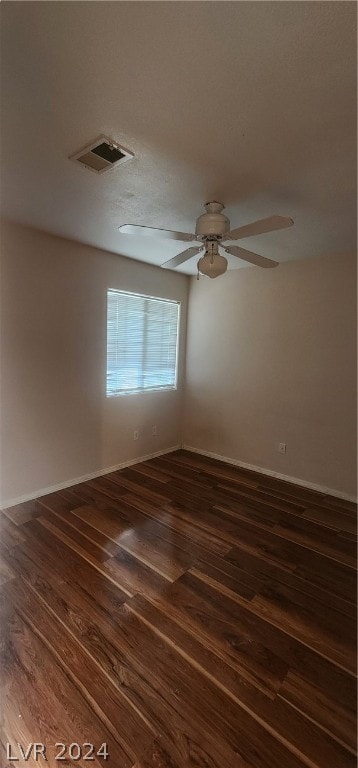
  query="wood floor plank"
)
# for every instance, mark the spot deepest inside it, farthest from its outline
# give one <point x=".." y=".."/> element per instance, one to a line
<point x="321" y="540"/>
<point x="83" y="493"/>
<point x="302" y="533"/>
<point x="84" y="529"/>
<point x="98" y="598"/>
<point x="288" y="724"/>
<point x="124" y="722"/>
<point x="306" y="564"/>
<point x="336" y="718"/>
<point x="21" y="513"/>
<point x="67" y="713"/>
<point x="149" y="541"/>
<point x="217" y="469"/>
<point x="330" y="634"/>
<point x="333" y="576"/>
<point x="150" y="490"/>
<point x="105" y="638"/>
<point x="190" y="613"/>
<point x="213" y="619"/>
<point x="205" y="703"/>
<point x="175" y="470"/>
<point x="134" y="576"/>
<point x="342" y="505"/>
<point x="301" y="527"/>
<point x="112" y="520"/>
<point x="231" y="579"/>
<point x="323" y="593"/>
<point x="274" y="547"/>
<point x="331" y="518"/>
<point x="10" y="534"/>
<point x="158" y="757"/>
<point x="68" y="534"/>
<point x="6" y="570"/>
<point x="43" y="552"/>
<point x="261" y="501"/>
<point x="177" y="519"/>
<point x="280" y="488"/>
<point x="332" y="637"/>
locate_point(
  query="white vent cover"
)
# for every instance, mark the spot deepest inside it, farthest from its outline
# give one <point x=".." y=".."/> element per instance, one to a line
<point x="102" y="154"/>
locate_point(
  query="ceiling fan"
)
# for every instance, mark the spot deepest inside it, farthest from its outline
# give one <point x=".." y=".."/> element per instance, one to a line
<point x="212" y="228"/>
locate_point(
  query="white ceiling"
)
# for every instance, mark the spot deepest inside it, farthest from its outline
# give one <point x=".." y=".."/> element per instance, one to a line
<point x="251" y="103"/>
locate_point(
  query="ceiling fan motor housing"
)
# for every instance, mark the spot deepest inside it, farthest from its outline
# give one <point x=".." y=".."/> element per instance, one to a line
<point x="213" y="223"/>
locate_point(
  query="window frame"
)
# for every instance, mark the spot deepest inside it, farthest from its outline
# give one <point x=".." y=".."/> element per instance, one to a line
<point x="157" y="388"/>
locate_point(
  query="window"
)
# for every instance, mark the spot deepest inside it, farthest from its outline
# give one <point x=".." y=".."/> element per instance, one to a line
<point x="142" y="343"/>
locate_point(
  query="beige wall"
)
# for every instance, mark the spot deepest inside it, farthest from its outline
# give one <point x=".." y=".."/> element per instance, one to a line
<point x="56" y="422"/>
<point x="271" y="357"/>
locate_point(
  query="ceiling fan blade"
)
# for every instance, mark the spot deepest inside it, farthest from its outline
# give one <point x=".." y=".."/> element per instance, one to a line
<point x="252" y="258"/>
<point x="181" y="257"/>
<point x="260" y="227"/>
<point x="168" y="234"/>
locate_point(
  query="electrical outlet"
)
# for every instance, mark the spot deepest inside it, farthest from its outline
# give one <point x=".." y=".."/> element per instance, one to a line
<point x="154" y="430"/>
<point x="136" y="434"/>
<point x="282" y="447"/>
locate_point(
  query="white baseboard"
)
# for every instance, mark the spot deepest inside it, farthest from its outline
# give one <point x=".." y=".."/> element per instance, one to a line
<point x="271" y="473"/>
<point x="76" y="480"/>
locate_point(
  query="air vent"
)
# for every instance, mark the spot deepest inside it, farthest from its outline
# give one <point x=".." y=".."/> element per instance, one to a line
<point x="101" y="155"/>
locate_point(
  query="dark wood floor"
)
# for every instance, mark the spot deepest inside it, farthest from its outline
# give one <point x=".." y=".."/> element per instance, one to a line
<point x="185" y="612"/>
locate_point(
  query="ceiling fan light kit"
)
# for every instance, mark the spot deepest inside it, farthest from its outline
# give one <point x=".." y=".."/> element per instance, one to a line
<point x="212" y="228"/>
<point x="212" y="266"/>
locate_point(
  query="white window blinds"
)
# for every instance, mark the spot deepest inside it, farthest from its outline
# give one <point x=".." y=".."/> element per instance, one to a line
<point x="142" y="342"/>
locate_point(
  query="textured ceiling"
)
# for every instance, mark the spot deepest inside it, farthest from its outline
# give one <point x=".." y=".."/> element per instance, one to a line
<point x="251" y="103"/>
